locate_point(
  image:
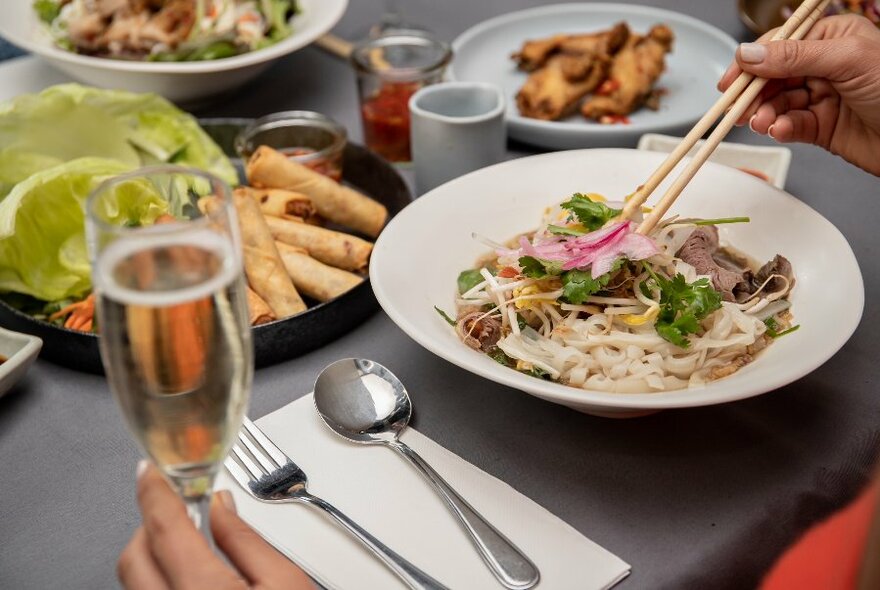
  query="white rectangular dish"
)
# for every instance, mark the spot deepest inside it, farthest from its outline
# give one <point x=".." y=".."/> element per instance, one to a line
<point x="770" y="162"/>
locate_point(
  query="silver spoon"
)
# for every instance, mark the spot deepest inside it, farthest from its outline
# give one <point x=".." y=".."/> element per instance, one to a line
<point x="364" y="402"/>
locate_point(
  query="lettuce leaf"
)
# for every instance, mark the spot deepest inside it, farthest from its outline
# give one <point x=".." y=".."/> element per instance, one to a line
<point x="70" y="121"/>
<point x="42" y="226"/>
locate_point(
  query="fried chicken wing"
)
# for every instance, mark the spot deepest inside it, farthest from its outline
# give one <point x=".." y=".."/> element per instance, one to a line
<point x="555" y="90"/>
<point x="602" y="43"/>
<point x="535" y="53"/>
<point x="633" y="73"/>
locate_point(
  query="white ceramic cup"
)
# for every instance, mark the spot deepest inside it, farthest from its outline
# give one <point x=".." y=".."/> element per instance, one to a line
<point x="456" y="128"/>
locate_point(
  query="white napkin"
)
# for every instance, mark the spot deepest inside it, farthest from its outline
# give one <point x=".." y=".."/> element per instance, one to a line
<point x="380" y="491"/>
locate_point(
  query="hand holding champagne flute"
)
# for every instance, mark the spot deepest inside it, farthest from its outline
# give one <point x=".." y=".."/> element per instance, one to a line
<point x="171" y="306"/>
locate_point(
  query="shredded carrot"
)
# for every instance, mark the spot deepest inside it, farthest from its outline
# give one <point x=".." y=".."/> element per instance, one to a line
<point x="79" y="314"/>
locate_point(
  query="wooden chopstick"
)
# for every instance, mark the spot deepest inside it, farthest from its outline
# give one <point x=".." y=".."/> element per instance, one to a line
<point x="343" y="49"/>
<point x="738" y="97"/>
<point x="335" y="45"/>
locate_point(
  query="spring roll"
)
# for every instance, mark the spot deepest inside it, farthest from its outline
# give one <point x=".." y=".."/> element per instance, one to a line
<point x="280" y="203"/>
<point x="330" y="247"/>
<point x="262" y="263"/>
<point x="268" y="168"/>
<point x="258" y="309"/>
<point x="313" y="278"/>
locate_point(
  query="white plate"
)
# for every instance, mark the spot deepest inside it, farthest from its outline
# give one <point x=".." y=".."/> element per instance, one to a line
<point x="180" y="82"/>
<point x="700" y="56"/>
<point x="419" y="255"/>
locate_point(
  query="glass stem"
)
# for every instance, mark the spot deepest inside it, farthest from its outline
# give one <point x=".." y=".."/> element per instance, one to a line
<point x="196" y="494"/>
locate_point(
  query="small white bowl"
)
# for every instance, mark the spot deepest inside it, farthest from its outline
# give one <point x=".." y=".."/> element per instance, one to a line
<point x="20" y="351"/>
<point x="178" y="81"/>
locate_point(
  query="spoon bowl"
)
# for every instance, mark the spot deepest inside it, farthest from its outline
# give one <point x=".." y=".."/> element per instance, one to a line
<point x="362" y="401"/>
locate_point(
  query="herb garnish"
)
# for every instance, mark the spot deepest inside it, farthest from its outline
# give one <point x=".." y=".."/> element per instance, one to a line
<point x="683" y="306"/>
<point x="773" y="327"/>
<point x="578" y="285"/>
<point x="468" y="279"/>
<point x="535" y="268"/>
<point x="445" y="316"/>
<point x="500" y="357"/>
<point x="718" y="221"/>
<point x="561" y="230"/>
<point x="591" y="214"/>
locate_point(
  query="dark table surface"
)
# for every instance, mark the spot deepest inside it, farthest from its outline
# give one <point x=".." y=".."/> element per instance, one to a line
<point x="699" y="498"/>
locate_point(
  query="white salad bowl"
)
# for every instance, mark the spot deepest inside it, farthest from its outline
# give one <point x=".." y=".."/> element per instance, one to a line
<point x="20" y="352"/>
<point x="182" y="82"/>
<point x="419" y="255"/>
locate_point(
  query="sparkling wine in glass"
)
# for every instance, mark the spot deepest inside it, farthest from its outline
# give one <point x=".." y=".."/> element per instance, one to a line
<point x="172" y="319"/>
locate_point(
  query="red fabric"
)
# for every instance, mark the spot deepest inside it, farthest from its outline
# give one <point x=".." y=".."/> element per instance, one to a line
<point x="829" y="556"/>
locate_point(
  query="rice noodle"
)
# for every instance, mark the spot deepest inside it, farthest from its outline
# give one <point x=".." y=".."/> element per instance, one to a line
<point x="609" y="342"/>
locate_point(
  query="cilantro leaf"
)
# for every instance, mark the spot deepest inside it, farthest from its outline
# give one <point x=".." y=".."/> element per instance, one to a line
<point x="47" y="10"/>
<point x="538" y="373"/>
<point x="577" y="285"/>
<point x="468" y="279"/>
<point x="535" y="268"/>
<point x="591" y="214"/>
<point x="445" y="316"/>
<point x="500" y="357"/>
<point x="683" y="306"/>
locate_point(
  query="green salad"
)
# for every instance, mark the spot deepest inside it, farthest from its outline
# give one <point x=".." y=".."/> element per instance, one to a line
<point x="57" y="146"/>
<point x="166" y="30"/>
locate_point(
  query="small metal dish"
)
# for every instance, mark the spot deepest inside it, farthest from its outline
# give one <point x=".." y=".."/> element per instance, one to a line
<point x="310" y="138"/>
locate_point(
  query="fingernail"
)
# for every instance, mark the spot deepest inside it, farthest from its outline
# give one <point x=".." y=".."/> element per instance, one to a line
<point x="770" y="131"/>
<point x="752" y="121"/>
<point x="227" y="500"/>
<point x="752" y="53"/>
<point x="141" y="468"/>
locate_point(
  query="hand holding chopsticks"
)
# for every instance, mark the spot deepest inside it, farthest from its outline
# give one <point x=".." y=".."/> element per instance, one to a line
<point x="736" y="101"/>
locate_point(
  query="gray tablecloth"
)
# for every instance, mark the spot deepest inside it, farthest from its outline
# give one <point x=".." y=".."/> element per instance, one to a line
<point x="702" y="498"/>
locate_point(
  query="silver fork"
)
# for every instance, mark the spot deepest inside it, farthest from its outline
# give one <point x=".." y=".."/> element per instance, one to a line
<point x="269" y="475"/>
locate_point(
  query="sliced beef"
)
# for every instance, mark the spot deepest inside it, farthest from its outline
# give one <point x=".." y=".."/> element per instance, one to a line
<point x="479" y="331"/>
<point x="778" y="266"/>
<point x="698" y="251"/>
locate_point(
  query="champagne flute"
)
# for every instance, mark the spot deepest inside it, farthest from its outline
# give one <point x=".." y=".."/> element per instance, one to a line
<point x="172" y="317"/>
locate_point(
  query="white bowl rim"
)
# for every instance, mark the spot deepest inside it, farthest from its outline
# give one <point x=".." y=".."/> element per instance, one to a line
<point x="287" y="45"/>
<point x="576" y="129"/>
<point x="584" y="398"/>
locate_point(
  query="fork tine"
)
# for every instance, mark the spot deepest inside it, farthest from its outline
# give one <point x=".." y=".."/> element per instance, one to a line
<point x="262" y="440"/>
<point x="258" y="452"/>
<point x="238" y="473"/>
<point x="252" y="468"/>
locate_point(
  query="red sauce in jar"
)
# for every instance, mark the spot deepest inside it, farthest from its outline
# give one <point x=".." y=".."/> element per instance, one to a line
<point x="327" y="167"/>
<point x="386" y="120"/>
